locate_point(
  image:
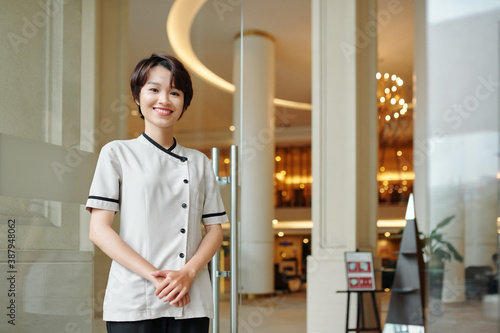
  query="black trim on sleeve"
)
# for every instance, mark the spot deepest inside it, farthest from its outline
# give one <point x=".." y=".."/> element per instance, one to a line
<point x="168" y="151"/>
<point x="213" y="215"/>
<point x="104" y="199"/>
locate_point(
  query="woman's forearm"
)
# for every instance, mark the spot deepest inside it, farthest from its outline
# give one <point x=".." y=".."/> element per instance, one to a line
<point x="208" y="247"/>
<point x="102" y="235"/>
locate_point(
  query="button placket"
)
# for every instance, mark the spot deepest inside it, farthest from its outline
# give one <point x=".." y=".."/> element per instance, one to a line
<point x="185" y="206"/>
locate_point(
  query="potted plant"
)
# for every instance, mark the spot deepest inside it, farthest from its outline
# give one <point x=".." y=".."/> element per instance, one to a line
<point x="436" y="252"/>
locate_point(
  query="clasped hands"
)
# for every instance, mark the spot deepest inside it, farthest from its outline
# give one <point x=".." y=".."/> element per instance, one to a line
<point x="173" y="286"/>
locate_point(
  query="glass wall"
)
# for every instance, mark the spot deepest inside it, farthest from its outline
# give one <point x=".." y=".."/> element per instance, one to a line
<point x="457" y="96"/>
<point x="46" y="262"/>
<point x="455" y="158"/>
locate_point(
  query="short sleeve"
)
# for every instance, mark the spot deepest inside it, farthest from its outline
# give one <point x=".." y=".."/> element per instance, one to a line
<point x="105" y="188"/>
<point x="213" y="207"/>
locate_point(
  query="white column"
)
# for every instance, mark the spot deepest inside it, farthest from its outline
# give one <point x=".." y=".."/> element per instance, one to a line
<point x="254" y="122"/>
<point x="344" y="123"/>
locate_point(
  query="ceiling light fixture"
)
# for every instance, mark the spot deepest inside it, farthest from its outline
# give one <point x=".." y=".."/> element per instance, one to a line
<point x="179" y="22"/>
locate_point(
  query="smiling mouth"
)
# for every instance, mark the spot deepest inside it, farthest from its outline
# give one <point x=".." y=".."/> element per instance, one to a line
<point x="163" y="111"/>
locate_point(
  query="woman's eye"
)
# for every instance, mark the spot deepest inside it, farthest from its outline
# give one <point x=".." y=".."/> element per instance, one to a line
<point x="153" y="90"/>
<point x="174" y="93"/>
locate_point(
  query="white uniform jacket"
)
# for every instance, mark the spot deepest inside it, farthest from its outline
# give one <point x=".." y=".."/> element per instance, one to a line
<point x="162" y="195"/>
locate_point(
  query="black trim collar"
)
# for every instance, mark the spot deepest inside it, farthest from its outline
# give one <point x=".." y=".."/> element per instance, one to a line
<point x="169" y="150"/>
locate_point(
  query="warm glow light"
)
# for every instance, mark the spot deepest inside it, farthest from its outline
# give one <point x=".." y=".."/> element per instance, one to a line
<point x="393" y="101"/>
<point x="387" y="118"/>
<point x="403" y="111"/>
<point x="381" y="190"/>
<point x="399" y="82"/>
<point x="385" y="183"/>
<point x="305" y="240"/>
<point x="393" y="77"/>
<point x="399" y="153"/>
<point x="396" y="115"/>
<point x="293" y="180"/>
<point x="232" y="128"/>
<point x="404" y="182"/>
<point x="378" y="76"/>
<point x="394" y="88"/>
<point x="386" y="76"/>
<point x="277" y="158"/>
<point x="382" y="99"/>
<point x="281" y="234"/>
<point x="387" y="234"/>
<point x="227" y="160"/>
<point x="387" y="90"/>
<point x="382" y="169"/>
<point x="293" y="225"/>
<point x="179" y="22"/>
<point x="275" y="221"/>
<point x="302" y="185"/>
<point x="405" y="106"/>
<point x="283" y="172"/>
<point x="393" y="175"/>
<point x="397" y="223"/>
<point x="405" y="167"/>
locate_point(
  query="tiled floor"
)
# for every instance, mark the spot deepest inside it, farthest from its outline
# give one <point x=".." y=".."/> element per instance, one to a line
<point x="281" y="313"/>
<point x="287" y="313"/>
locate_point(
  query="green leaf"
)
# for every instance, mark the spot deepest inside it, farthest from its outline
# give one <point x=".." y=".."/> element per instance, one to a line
<point x="455" y="253"/>
<point x="443" y="223"/>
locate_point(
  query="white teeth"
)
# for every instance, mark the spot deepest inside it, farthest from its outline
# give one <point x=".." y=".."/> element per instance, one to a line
<point x="163" y="111"/>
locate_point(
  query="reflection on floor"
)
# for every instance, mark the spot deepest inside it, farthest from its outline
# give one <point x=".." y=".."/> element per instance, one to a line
<point x="287" y="313"/>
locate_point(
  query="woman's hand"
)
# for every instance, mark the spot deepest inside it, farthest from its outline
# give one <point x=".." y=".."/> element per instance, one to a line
<point x="174" y="287"/>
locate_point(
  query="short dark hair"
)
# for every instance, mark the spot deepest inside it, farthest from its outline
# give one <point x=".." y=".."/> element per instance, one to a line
<point x="179" y="77"/>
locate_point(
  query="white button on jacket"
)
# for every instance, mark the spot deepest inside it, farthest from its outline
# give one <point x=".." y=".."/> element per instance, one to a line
<point x="162" y="195"/>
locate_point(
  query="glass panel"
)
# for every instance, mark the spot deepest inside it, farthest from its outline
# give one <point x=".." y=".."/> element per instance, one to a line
<point x="463" y="126"/>
<point x="43" y="172"/>
<point x="455" y="157"/>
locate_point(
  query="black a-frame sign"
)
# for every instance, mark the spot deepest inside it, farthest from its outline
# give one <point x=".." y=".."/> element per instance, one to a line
<point x="407" y="295"/>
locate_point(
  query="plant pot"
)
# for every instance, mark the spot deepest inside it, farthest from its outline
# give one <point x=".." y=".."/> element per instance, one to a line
<point x="435" y="276"/>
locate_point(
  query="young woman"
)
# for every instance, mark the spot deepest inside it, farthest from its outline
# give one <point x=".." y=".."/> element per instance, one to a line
<point x="158" y="280"/>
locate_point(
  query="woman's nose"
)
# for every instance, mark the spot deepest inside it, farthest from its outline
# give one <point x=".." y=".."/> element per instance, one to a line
<point x="165" y="99"/>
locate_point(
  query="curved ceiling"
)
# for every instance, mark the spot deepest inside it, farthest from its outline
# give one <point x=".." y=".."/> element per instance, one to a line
<point x="212" y="32"/>
<point x="178" y="26"/>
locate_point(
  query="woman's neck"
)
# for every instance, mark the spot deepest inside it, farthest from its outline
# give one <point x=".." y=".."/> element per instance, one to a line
<point x="164" y="137"/>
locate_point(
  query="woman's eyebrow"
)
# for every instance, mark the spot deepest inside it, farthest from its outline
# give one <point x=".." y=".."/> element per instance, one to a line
<point x="152" y="82"/>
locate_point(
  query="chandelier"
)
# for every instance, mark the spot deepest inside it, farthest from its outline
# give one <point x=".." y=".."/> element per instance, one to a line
<point x="395" y="133"/>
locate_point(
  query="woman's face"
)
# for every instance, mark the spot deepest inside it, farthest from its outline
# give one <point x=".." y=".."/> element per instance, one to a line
<point x="161" y="104"/>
